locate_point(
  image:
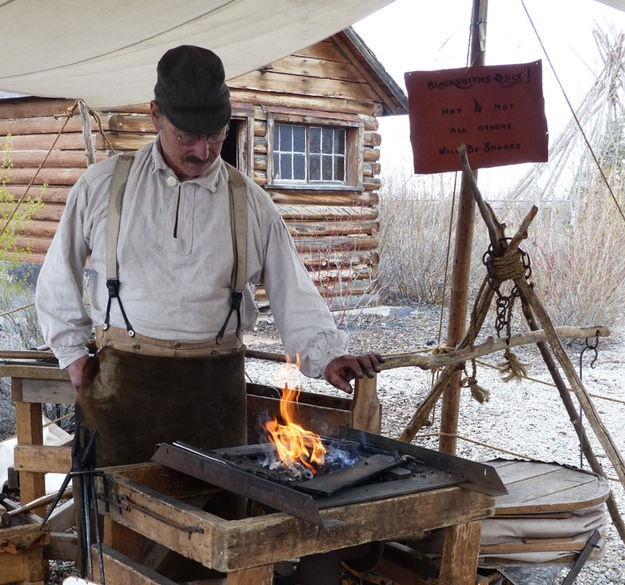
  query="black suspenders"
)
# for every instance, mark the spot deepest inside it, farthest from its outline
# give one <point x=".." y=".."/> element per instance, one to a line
<point x="237" y="196"/>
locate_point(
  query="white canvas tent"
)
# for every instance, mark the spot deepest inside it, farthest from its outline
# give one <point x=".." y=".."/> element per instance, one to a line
<point x="105" y="52"/>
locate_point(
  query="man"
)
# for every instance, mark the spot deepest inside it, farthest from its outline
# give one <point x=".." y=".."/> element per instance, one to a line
<point x="166" y="278"/>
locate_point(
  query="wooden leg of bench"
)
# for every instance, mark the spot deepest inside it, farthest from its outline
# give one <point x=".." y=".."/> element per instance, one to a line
<point x="460" y="554"/>
<point x="29" y="432"/>
<point x="256" y="576"/>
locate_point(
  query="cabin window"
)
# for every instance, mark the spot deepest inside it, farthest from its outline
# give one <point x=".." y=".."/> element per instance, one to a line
<point x="309" y="154"/>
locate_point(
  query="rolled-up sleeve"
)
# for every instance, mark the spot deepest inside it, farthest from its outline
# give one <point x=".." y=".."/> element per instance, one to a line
<point x="305" y="323"/>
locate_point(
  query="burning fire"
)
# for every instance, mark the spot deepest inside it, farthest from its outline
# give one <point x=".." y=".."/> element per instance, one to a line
<point x="294" y="444"/>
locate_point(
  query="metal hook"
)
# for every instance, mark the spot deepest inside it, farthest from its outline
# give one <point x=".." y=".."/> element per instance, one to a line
<point x="592" y="346"/>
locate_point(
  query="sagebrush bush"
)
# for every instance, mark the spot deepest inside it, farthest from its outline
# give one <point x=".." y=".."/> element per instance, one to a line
<point x="415" y="214"/>
<point x="577" y="248"/>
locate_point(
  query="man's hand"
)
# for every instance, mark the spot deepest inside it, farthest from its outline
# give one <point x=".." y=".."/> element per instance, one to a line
<point x="75" y="371"/>
<point x="347" y="367"/>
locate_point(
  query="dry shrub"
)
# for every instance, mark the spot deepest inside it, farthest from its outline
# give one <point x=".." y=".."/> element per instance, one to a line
<point x="414" y="227"/>
<point x="576" y="248"/>
<point x="577" y="261"/>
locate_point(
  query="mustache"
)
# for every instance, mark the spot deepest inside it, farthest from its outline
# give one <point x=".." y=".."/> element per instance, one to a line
<point x="196" y="160"/>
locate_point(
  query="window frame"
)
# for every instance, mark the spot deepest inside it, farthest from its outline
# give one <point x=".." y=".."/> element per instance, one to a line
<point x="353" y="161"/>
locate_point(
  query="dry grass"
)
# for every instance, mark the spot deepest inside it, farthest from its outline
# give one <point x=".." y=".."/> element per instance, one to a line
<point x="577" y="250"/>
<point x="415" y="215"/>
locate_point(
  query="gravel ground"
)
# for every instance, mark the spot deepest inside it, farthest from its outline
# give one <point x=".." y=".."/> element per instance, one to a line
<point x="522" y="417"/>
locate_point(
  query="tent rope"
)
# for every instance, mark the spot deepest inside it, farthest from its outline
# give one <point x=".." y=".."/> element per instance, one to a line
<point x="574" y="114"/>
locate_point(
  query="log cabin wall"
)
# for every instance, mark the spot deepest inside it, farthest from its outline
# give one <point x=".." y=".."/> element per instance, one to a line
<point x="329" y="85"/>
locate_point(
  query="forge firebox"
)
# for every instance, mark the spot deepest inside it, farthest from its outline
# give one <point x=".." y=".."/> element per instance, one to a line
<point x="360" y="467"/>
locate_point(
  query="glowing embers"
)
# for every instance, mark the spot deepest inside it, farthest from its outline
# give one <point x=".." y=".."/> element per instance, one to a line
<point x="299" y="452"/>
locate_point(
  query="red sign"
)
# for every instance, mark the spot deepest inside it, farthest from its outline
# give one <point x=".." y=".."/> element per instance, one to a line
<point x="497" y="112"/>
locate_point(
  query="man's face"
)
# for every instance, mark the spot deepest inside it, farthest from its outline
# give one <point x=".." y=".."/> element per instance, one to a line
<point x="188" y="155"/>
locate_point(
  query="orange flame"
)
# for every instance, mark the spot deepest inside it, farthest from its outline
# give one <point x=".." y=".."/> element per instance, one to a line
<point x="293" y="443"/>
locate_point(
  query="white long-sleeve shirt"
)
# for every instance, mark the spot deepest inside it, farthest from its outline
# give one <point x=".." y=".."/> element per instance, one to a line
<point x="175" y="262"/>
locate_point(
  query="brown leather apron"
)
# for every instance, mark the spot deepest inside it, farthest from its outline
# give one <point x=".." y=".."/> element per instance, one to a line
<point x="137" y="401"/>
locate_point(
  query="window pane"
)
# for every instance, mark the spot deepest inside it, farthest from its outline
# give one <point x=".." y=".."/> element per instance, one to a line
<point x="276" y="166"/>
<point x="339" y="170"/>
<point x="286" y="135"/>
<point x="299" y="139"/>
<point x="326" y="166"/>
<point x="286" y="171"/>
<point x="326" y="140"/>
<point x="339" y="141"/>
<point x="299" y="167"/>
<point x="315" y="139"/>
<point x="276" y="136"/>
<point x="315" y="167"/>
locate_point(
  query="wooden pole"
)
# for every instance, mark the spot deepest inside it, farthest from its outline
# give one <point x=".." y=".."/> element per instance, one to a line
<point x="86" y="132"/>
<point x="462" y="256"/>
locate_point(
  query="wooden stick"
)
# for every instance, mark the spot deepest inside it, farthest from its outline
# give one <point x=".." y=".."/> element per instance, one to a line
<point x="491" y="345"/>
<point x="604" y="437"/>
<point x="565" y="396"/>
<point x="531" y="300"/>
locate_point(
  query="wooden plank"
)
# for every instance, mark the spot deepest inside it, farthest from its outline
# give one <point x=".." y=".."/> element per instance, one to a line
<point x="287" y="537"/>
<point x="314" y="67"/>
<point x="329" y="104"/>
<point x="340" y="242"/>
<point x="460" y="554"/>
<point x="366" y="409"/>
<point x="35" y="372"/>
<point x="326" y="50"/>
<point x="355" y="198"/>
<point x="315" y="212"/>
<point x="46" y="459"/>
<point x="39" y="229"/>
<point x="124" y="123"/>
<point x="39" y="125"/>
<point x="56" y="158"/>
<point x="29" y="432"/>
<point x="332" y="227"/>
<point x="51" y="176"/>
<point x="512" y="471"/>
<point x="33" y="106"/>
<point x="124" y="540"/>
<point x="371" y="154"/>
<point x="165" y="522"/>
<point x="303" y="85"/>
<point x="49" y="212"/>
<point x="54" y="391"/>
<point x="122" y="570"/>
<point x="255" y="576"/>
<point x="67" y="141"/>
<point x="51" y="194"/>
<point x="561" y="489"/>
<point x="11" y="568"/>
<point x="123" y="140"/>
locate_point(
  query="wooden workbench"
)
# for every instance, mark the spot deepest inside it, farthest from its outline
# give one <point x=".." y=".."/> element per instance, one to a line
<point x="246" y="549"/>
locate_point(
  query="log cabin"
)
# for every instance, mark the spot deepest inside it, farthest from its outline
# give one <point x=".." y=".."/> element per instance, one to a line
<point x="305" y="127"/>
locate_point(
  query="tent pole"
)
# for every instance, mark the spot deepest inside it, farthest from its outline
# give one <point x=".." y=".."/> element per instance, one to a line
<point x="86" y="132"/>
<point x="458" y="300"/>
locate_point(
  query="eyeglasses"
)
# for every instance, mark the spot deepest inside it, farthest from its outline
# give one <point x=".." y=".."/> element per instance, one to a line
<point x="191" y="139"/>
